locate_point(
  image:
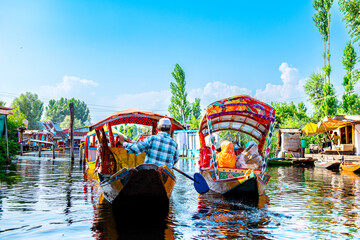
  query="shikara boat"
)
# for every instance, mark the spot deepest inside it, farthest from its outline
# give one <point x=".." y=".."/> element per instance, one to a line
<point x="135" y="184"/>
<point x="243" y="114"/>
<point x="61" y="146"/>
<point x="327" y="165"/>
<point x="279" y="162"/>
<point x="350" y="166"/>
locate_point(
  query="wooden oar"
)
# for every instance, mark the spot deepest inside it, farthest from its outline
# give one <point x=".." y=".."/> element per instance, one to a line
<point x="199" y="182"/>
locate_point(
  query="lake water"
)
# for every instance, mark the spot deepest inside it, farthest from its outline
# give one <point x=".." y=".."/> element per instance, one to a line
<point x="54" y="199"/>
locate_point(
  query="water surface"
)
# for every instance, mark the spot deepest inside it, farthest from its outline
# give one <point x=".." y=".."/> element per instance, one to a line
<point x="54" y="199"/>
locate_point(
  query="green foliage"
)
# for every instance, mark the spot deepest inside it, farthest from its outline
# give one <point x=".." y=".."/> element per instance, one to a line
<point x="239" y="139"/>
<point x="56" y="111"/>
<point x="314" y="89"/>
<point x="350" y="100"/>
<point x="194" y="123"/>
<point x="30" y="106"/>
<point x="2" y="103"/>
<point x="329" y="104"/>
<point x="322" y="19"/>
<point x="66" y="123"/>
<point x="290" y="115"/>
<point x="133" y="131"/>
<point x="351" y="11"/>
<point x="13" y="149"/>
<point x="179" y="107"/>
<point x="195" y="109"/>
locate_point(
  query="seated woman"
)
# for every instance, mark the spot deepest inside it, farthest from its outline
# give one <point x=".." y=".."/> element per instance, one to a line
<point x="226" y="158"/>
<point x="205" y="157"/>
<point x="250" y="157"/>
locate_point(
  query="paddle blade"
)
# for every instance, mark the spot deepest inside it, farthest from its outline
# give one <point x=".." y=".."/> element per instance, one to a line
<point x="200" y="184"/>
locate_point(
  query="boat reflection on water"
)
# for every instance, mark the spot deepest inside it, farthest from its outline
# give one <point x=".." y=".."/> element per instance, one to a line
<point x="230" y="218"/>
<point x="131" y="223"/>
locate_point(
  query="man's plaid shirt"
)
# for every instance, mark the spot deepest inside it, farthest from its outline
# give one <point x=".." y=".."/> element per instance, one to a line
<point x="160" y="149"/>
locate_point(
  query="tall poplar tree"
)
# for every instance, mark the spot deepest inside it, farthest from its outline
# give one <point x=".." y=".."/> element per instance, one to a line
<point x="322" y="19"/>
<point x="351" y="11"/>
<point x="179" y="107"/>
<point x="350" y="100"/>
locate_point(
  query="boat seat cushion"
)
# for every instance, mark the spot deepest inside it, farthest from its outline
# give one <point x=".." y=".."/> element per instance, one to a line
<point x="125" y="159"/>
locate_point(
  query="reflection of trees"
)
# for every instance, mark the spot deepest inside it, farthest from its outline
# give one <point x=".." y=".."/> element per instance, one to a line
<point x="326" y="200"/>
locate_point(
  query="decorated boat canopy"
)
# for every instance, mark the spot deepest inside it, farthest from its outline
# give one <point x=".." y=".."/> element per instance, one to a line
<point x="239" y="113"/>
<point x="114" y="131"/>
<point x="135" y="116"/>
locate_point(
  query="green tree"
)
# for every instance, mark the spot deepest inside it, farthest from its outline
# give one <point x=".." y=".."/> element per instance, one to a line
<point x="66" y="123"/>
<point x="179" y="107"/>
<point x="329" y="104"/>
<point x="350" y="100"/>
<point x="56" y="111"/>
<point x="195" y="114"/>
<point x="314" y="89"/>
<point x="29" y="105"/>
<point x="351" y="11"/>
<point x="290" y="115"/>
<point x="2" y="103"/>
<point x="322" y="19"/>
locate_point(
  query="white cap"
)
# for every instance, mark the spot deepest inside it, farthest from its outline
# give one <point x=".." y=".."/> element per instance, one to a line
<point x="164" y="122"/>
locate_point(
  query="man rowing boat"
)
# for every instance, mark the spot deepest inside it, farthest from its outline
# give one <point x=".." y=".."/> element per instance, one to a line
<point x="160" y="149"/>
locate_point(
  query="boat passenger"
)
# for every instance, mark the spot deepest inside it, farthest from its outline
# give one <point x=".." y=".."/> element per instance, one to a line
<point x="250" y="157"/>
<point x="160" y="149"/>
<point x="227" y="157"/>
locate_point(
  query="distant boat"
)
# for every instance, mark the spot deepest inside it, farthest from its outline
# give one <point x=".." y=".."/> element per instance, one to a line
<point x="327" y="165"/>
<point x="242" y="114"/>
<point x="350" y="166"/>
<point x="280" y="162"/>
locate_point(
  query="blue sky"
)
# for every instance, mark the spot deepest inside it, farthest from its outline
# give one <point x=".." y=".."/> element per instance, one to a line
<point x="120" y="54"/>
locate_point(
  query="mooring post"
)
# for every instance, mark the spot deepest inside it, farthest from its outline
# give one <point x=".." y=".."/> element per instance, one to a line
<point x="7" y="142"/>
<point x="71" y="106"/>
<point x="53" y="148"/>
<point x="21" y="141"/>
<point x="39" y="149"/>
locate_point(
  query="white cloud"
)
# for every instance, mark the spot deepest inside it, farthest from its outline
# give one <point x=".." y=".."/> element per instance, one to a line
<point x="69" y="87"/>
<point x="214" y="91"/>
<point x="291" y="88"/>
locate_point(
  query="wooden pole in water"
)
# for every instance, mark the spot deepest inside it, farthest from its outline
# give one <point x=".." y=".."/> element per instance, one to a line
<point x="71" y="106"/>
<point x="53" y="148"/>
<point x="39" y="149"/>
<point x="7" y="142"/>
<point x="21" y="141"/>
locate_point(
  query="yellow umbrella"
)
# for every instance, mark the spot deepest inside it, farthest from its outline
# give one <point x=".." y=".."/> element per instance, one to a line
<point x="310" y="129"/>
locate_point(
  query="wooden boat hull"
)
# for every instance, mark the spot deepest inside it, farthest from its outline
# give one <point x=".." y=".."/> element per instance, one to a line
<point x="327" y="165"/>
<point x="350" y="167"/>
<point x="144" y="185"/>
<point x="236" y="183"/>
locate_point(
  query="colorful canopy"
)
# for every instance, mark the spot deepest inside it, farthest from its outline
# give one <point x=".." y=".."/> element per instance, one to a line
<point x="239" y="113"/>
<point x="136" y="116"/>
<point x="114" y="131"/>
